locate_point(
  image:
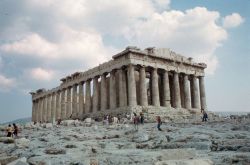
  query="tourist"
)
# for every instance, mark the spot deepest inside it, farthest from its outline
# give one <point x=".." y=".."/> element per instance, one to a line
<point x="9" y="131"/>
<point x="59" y="121"/>
<point x="15" y="130"/>
<point x="158" y="119"/>
<point x="136" y="121"/>
<point x="205" y="117"/>
<point x="141" y="118"/>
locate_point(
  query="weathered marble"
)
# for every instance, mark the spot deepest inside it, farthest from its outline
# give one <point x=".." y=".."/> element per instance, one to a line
<point x="149" y="78"/>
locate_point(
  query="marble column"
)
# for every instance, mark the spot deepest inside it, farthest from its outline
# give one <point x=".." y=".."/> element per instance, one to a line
<point x="48" y="112"/>
<point x="104" y="102"/>
<point x="202" y="93"/>
<point x="95" y="100"/>
<point x="53" y="109"/>
<point x="40" y="118"/>
<point x="112" y="90"/>
<point x="195" y="92"/>
<point x="69" y="103"/>
<point x="45" y="109"/>
<point x="166" y="90"/>
<point x="177" y="95"/>
<point x="58" y="108"/>
<point x="88" y="96"/>
<point x="81" y="100"/>
<point x="187" y="97"/>
<point x="131" y="86"/>
<point x="33" y="111"/>
<point x="120" y="86"/>
<point x="155" y="88"/>
<point x="63" y="105"/>
<point x="37" y="110"/>
<point x="143" y="87"/>
<point x="74" y="102"/>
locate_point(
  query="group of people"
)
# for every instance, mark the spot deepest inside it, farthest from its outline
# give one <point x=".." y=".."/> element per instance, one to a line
<point x="12" y="131"/>
<point x="140" y="119"/>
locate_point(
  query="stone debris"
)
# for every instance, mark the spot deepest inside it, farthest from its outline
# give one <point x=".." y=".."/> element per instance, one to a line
<point x="177" y="143"/>
<point x="22" y="143"/>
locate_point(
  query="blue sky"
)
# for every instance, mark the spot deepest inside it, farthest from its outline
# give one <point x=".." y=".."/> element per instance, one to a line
<point x="42" y="41"/>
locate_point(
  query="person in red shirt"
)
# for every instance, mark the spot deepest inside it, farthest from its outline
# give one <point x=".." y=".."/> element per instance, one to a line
<point x="158" y="119"/>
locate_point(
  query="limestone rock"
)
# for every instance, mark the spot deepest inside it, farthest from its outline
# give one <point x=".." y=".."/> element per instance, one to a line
<point x="48" y="125"/>
<point x="7" y="140"/>
<point x="20" y="161"/>
<point x="7" y="159"/>
<point x="185" y="162"/>
<point x="22" y="143"/>
<point x="54" y="151"/>
<point x="68" y="122"/>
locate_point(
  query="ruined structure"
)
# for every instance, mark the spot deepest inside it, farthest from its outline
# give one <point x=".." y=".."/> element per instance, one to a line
<point x="151" y="80"/>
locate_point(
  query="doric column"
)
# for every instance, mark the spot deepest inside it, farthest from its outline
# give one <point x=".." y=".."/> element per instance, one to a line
<point x="45" y="109"/>
<point x="48" y="112"/>
<point x="53" y="109"/>
<point x="69" y="103"/>
<point x="131" y="86"/>
<point x="95" y="99"/>
<point x="155" y="88"/>
<point x="120" y="85"/>
<point x="87" y="97"/>
<point x="63" y="105"/>
<point x="112" y="90"/>
<point x="81" y="100"/>
<point x="103" y="92"/>
<point x="177" y="95"/>
<point x="143" y="87"/>
<point x="195" y="93"/>
<point x="40" y="114"/>
<point x="58" y="107"/>
<point x="74" y="102"/>
<point x="187" y="97"/>
<point x="202" y="93"/>
<point x="33" y="111"/>
<point x="166" y="90"/>
<point x="37" y="110"/>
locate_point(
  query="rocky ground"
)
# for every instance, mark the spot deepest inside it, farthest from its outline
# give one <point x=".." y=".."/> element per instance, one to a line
<point x="73" y="142"/>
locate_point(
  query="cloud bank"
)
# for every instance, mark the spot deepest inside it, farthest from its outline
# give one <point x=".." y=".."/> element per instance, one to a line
<point x="52" y="38"/>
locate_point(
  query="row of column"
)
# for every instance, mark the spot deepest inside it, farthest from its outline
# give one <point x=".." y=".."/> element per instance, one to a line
<point x="119" y="90"/>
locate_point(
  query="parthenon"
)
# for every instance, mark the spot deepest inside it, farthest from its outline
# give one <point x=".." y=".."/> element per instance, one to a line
<point x="133" y="80"/>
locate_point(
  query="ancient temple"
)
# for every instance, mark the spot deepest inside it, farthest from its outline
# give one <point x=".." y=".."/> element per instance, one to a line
<point x="151" y="80"/>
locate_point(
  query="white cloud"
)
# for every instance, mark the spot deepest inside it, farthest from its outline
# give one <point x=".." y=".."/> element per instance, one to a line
<point x="192" y="33"/>
<point x="85" y="45"/>
<point x="41" y="74"/>
<point x="33" y="45"/>
<point x="6" y="83"/>
<point x="232" y="20"/>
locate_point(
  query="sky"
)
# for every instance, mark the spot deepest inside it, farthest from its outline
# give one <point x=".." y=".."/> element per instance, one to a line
<point x="43" y="41"/>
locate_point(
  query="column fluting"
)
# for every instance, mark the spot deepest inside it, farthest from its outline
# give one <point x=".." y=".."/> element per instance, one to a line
<point x="195" y="92"/>
<point x="95" y="100"/>
<point x="69" y="103"/>
<point x="63" y="105"/>
<point x="131" y="86"/>
<point x="74" y="102"/>
<point x="177" y="90"/>
<point x="143" y="87"/>
<point x="155" y="88"/>
<point x="112" y="90"/>
<point x="166" y="90"/>
<point x="81" y="100"/>
<point x="202" y="93"/>
<point x="88" y="96"/>
<point x="187" y="97"/>
<point x="103" y="92"/>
